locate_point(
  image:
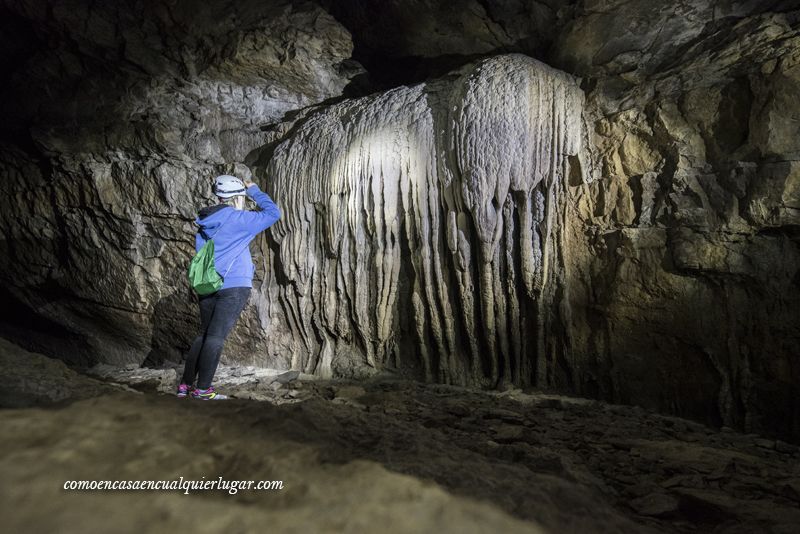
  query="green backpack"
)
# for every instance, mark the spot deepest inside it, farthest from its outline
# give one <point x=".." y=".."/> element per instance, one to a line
<point x="203" y="275"/>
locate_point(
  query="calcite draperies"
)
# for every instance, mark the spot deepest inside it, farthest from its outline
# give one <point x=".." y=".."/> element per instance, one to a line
<point x="420" y="225"/>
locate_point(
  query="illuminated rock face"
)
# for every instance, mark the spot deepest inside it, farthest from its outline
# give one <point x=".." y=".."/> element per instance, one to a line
<point x="421" y="226"/>
<point x="671" y="281"/>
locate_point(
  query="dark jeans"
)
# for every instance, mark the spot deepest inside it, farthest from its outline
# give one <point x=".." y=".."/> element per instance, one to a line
<point x="218" y="313"/>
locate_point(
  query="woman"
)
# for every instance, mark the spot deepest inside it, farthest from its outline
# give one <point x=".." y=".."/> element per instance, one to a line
<point x="232" y="228"/>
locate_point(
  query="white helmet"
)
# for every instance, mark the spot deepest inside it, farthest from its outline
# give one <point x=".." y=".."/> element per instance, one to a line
<point x="227" y="186"/>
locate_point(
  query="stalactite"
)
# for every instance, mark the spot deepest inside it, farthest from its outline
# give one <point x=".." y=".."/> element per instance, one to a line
<point x="419" y="225"/>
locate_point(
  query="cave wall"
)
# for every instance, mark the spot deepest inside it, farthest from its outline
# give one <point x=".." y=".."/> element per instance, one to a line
<point x="422" y="226"/>
<point x="686" y="259"/>
<point x="117" y="118"/>
<point x="675" y="274"/>
<point x="684" y="281"/>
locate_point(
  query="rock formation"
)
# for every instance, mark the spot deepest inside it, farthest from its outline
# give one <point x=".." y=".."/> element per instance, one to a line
<point x="114" y="128"/>
<point x="422" y="226"/>
<point x="669" y="281"/>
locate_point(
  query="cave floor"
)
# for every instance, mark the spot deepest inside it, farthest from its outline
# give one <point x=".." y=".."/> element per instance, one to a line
<point x="392" y="455"/>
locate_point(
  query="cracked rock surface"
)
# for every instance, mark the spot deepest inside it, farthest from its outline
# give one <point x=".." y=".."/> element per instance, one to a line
<point x="118" y="116"/>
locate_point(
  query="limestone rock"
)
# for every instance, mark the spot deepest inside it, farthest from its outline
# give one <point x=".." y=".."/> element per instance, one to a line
<point x="655" y="504"/>
<point x="393" y="449"/>
<point x="415" y="216"/>
<point x="713" y="253"/>
<point x="161" y="380"/>
<point x="113" y="133"/>
<point x="671" y="280"/>
<point x="31" y="379"/>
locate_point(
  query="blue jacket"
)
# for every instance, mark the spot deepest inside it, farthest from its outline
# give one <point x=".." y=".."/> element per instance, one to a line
<point x="232" y="230"/>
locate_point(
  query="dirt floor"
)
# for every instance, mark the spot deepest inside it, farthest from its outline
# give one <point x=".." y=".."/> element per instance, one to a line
<point x="384" y="455"/>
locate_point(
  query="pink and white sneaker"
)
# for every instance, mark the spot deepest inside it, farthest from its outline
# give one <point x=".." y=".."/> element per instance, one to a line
<point x="207" y="394"/>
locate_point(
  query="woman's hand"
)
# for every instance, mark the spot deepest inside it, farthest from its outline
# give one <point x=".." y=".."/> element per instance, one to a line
<point x="248" y="183"/>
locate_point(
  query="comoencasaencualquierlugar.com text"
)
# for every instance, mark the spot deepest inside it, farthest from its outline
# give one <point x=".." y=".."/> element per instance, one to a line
<point x="231" y="486"/>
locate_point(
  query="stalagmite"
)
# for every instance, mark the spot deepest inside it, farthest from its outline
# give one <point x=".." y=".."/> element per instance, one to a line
<point x="419" y="225"/>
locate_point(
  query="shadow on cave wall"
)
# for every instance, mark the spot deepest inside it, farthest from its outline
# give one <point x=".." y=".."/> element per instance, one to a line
<point x="23" y="325"/>
<point x="689" y="342"/>
<point x="175" y="324"/>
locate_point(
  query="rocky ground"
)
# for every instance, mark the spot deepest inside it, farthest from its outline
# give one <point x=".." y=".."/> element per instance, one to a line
<point x="407" y="456"/>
